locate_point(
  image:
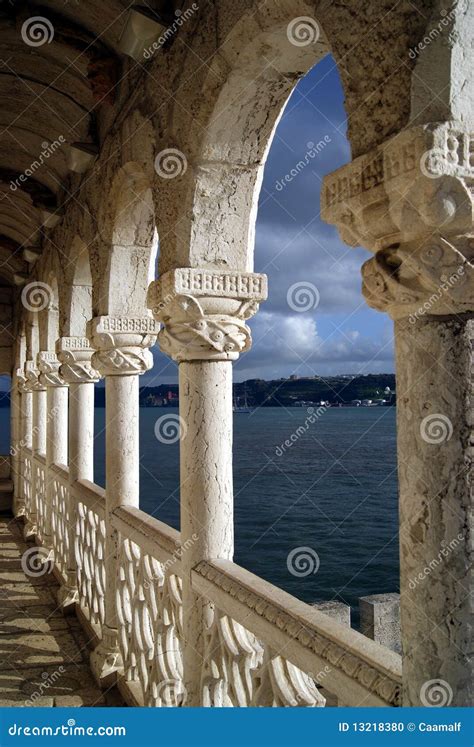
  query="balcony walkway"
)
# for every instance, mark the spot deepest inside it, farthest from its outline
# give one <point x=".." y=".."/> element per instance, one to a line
<point x="43" y="654"/>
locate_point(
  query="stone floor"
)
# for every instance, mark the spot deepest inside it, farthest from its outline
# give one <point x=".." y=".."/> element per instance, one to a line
<point x="43" y="654"/>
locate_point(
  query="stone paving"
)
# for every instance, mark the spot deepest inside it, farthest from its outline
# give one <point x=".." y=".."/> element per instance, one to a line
<point x="43" y="654"/>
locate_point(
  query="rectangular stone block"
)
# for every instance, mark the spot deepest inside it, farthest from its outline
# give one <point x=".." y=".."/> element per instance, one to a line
<point x="380" y="619"/>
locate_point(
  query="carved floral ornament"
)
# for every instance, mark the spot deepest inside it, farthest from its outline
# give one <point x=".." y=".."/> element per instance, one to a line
<point x="414" y="185"/>
<point x="121" y="344"/>
<point x="32" y="373"/>
<point x="203" y="312"/>
<point x="413" y="280"/>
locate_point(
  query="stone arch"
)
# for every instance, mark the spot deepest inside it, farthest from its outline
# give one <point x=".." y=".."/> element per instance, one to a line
<point x="48" y="315"/>
<point x="77" y="308"/>
<point x="128" y="238"/>
<point x="257" y="68"/>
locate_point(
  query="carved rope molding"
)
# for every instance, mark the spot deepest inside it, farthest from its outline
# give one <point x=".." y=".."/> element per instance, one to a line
<point x="418" y="182"/>
<point x="203" y="312"/>
<point x="384" y="685"/>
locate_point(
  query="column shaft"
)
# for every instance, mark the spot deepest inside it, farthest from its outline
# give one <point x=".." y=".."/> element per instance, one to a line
<point x="435" y="418"/>
<point x="81" y="431"/>
<point x="206" y="495"/>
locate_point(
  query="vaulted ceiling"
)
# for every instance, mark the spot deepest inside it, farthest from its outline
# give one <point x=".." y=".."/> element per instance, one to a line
<point x="60" y="67"/>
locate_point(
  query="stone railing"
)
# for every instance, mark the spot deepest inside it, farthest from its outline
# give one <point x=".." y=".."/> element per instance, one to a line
<point x="89" y="535"/>
<point x="263" y="647"/>
<point x="39" y="505"/>
<point x="58" y="485"/>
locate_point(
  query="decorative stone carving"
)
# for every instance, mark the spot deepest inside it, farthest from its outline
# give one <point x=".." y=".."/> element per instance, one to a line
<point x="413" y="280"/>
<point x="21" y="381"/>
<point x="204" y="312"/>
<point x="75" y="355"/>
<point x="33" y="382"/>
<point x="336" y="655"/>
<point x="48" y="365"/>
<point x="417" y="183"/>
<point x="121" y="344"/>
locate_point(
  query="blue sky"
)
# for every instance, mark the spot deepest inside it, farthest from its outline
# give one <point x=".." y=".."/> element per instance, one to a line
<point x="293" y="245"/>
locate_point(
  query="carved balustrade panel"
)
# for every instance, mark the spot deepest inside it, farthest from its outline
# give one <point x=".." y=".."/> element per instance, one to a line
<point x="27" y="485"/>
<point x="61" y="523"/>
<point x="149" y="607"/>
<point x="90" y="554"/>
<point x="240" y="671"/>
<point x="39" y="497"/>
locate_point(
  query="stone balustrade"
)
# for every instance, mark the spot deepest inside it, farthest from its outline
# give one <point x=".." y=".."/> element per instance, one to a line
<point x="262" y="647"/>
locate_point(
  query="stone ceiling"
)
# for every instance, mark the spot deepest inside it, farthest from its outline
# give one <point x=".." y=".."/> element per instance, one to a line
<point x="59" y="66"/>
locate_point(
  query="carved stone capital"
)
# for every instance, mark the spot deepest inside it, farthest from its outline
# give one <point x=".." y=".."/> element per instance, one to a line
<point x="75" y="354"/>
<point x="21" y="382"/>
<point x="48" y="365"/>
<point x="203" y="312"/>
<point x="415" y="184"/>
<point x="416" y="280"/>
<point x="33" y="383"/>
<point x="122" y="343"/>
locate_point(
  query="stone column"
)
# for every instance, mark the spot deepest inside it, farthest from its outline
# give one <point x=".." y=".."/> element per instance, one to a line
<point x="75" y="354"/>
<point x="121" y="355"/>
<point x="410" y="203"/>
<point x="21" y="438"/>
<point x="204" y="313"/>
<point x="56" y="430"/>
<point x="38" y="441"/>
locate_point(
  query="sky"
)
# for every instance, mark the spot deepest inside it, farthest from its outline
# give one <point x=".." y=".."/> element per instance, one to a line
<point x="337" y="333"/>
